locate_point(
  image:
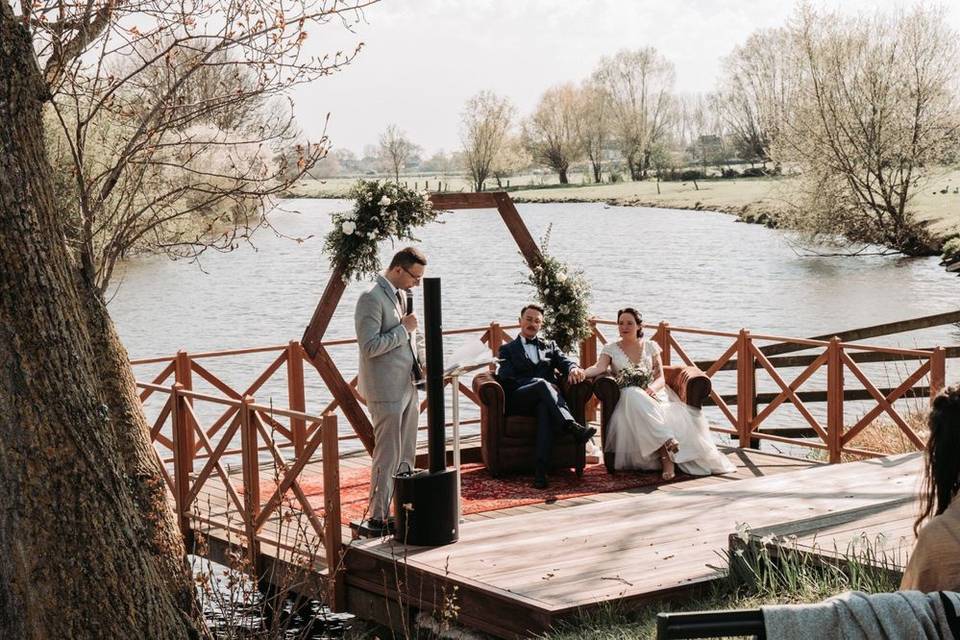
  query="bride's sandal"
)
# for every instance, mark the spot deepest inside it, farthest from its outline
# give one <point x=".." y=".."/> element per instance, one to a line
<point x="666" y="463"/>
<point x="671" y="446"/>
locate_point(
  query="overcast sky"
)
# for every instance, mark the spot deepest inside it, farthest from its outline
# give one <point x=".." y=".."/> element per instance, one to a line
<point x="422" y="59"/>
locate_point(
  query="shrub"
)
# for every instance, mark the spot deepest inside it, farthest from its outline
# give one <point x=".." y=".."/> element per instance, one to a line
<point x="951" y="248"/>
<point x="691" y="174"/>
<point x="729" y="173"/>
<point x="754" y="172"/>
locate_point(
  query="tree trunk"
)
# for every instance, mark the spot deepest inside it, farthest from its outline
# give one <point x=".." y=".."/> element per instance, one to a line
<point x="597" y="176"/>
<point x="563" y="176"/>
<point x="88" y="543"/>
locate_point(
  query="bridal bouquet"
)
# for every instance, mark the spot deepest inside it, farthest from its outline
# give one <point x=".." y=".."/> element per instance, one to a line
<point x="634" y="375"/>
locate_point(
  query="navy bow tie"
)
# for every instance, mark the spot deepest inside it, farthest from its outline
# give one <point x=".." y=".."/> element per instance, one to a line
<point x="535" y="341"/>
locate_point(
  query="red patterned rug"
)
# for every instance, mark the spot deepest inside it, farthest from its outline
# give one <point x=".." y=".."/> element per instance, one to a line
<point x="479" y="490"/>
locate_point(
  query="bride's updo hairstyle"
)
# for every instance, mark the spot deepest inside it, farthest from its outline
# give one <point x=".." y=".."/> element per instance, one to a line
<point x="636" y="316"/>
<point x="941" y="478"/>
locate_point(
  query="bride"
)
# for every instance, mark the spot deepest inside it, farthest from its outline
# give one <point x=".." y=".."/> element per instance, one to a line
<point x="652" y="428"/>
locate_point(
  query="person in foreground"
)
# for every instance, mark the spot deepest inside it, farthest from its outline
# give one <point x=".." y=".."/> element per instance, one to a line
<point x="927" y="604"/>
<point x="390" y="355"/>
<point x="528" y="374"/>
<point x="934" y="564"/>
<point x="651" y="428"/>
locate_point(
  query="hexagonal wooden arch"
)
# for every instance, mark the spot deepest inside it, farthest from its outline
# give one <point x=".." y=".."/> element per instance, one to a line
<point x="313" y="336"/>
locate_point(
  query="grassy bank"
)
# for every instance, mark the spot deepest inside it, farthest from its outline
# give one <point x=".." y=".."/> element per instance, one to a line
<point x="938" y="202"/>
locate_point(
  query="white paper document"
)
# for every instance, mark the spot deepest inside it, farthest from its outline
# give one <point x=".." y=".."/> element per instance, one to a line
<point x="471" y="355"/>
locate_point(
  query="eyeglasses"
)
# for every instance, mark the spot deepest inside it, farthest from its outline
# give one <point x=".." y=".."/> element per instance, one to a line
<point x="415" y="277"/>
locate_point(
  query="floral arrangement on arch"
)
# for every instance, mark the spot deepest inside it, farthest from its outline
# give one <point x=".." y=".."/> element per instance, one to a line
<point x="564" y="295"/>
<point x="381" y="210"/>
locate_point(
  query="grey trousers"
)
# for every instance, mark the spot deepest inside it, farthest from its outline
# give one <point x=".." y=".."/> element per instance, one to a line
<point x="394" y="442"/>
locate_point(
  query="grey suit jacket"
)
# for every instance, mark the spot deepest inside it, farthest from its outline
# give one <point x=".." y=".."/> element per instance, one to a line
<point x="386" y="349"/>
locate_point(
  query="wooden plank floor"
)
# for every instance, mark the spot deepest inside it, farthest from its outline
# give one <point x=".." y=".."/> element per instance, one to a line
<point x="520" y="570"/>
<point x="638" y="547"/>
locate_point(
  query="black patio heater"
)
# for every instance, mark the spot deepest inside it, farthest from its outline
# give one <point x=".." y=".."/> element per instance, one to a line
<point x="426" y="501"/>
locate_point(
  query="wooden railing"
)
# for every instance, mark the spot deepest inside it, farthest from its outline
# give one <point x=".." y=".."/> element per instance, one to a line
<point x="746" y="358"/>
<point x="258" y="429"/>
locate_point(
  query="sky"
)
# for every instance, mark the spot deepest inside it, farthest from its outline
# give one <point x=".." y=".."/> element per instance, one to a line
<point x="422" y="59"/>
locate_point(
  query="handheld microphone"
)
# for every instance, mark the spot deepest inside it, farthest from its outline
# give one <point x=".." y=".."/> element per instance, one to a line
<point x="409" y="293"/>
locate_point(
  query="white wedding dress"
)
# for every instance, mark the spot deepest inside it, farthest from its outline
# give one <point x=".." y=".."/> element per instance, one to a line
<point x="640" y="425"/>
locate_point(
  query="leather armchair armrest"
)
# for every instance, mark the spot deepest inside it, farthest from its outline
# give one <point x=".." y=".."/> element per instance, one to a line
<point x="577" y="396"/>
<point x="608" y="393"/>
<point x="492" y="418"/>
<point x="690" y="383"/>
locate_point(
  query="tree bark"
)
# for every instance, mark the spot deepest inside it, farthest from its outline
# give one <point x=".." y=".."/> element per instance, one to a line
<point x="88" y="544"/>
<point x="563" y="176"/>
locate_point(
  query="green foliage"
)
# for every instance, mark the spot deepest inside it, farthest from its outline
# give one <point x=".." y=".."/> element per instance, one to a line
<point x="951" y="248"/>
<point x="564" y="295"/>
<point x="381" y="210"/>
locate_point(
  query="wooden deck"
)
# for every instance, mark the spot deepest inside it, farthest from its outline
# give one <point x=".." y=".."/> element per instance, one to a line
<point x="521" y="570"/>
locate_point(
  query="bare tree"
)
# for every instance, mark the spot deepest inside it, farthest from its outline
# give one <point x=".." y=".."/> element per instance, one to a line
<point x="173" y="134"/>
<point x="90" y="545"/>
<point x="878" y="109"/>
<point x="396" y="149"/>
<point x="639" y="85"/>
<point x="485" y="122"/>
<point x="553" y="133"/>
<point x="511" y="158"/>
<point x="594" y="109"/>
<point x="757" y="91"/>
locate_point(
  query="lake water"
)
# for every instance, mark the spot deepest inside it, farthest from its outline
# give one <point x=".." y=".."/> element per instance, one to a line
<point x="690" y="268"/>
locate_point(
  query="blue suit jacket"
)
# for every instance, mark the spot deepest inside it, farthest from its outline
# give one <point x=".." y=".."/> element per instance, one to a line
<point x="517" y="369"/>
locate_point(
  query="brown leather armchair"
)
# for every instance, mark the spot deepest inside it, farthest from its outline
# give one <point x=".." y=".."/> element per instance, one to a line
<point x="690" y="383"/>
<point x="508" y="441"/>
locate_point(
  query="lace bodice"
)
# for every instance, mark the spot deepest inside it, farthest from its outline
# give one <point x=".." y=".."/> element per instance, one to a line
<point x="619" y="359"/>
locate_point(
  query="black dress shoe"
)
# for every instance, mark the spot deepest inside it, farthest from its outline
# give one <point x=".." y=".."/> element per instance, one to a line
<point x="374" y="528"/>
<point x="580" y="433"/>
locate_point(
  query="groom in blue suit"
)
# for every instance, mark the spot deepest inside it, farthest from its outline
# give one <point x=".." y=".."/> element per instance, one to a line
<point x="528" y="375"/>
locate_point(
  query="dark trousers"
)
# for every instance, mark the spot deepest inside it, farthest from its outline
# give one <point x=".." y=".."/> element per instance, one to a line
<point x="539" y="398"/>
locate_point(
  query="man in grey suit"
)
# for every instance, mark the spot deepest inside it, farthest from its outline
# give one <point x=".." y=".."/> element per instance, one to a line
<point x="390" y="355"/>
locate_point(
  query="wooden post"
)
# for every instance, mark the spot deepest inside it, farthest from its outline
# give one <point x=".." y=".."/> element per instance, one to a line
<point x="938" y="372"/>
<point x="332" y="538"/>
<point x="493" y="341"/>
<point x="663" y="339"/>
<point x="251" y="478"/>
<point x="745" y="388"/>
<point x="295" y="395"/>
<point x="834" y="399"/>
<point x="182" y="461"/>
<point x="183" y="373"/>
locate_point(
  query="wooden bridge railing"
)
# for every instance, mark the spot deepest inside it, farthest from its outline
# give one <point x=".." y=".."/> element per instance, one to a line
<point x="741" y="409"/>
<point x="746" y="357"/>
<point x="258" y="430"/>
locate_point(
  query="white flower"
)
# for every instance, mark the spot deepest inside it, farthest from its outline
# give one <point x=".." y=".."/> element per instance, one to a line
<point x="765" y="540"/>
<point x="561" y="276"/>
<point x="348" y="228"/>
<point x="350" y="215"/>
<point x="743" y="531"/>
<point x="738" y="552"/>
<point x="372" y="235"/>
<point x="385" y="201"/>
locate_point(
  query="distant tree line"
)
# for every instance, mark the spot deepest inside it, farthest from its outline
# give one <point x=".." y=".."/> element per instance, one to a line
<point x="860" y="110"/>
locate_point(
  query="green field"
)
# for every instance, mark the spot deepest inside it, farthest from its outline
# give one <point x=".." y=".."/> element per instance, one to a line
<point x="736" y="196"/>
